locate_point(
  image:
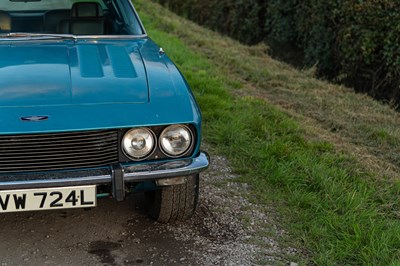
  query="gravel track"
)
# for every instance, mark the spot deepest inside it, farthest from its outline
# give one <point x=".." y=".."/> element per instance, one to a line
<point x="224" y="231"/>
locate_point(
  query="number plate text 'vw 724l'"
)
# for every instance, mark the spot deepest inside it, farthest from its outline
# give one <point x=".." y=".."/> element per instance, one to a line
<point x="47" y="198"/>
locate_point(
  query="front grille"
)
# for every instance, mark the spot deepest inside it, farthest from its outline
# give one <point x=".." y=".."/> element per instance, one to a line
<point x="44" y="152"/>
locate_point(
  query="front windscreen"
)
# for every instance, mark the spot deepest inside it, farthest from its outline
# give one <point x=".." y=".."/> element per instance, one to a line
<point x="77" y="17"/>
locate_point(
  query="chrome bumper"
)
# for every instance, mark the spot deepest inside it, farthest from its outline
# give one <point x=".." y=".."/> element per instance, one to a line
<point x="116" y="175"/>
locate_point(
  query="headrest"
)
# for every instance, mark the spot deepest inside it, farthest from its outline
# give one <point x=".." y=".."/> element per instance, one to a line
<point x="5" y="21"/>
<point x="86" y="10"/>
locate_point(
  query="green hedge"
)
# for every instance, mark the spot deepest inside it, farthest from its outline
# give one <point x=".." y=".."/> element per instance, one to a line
<point x="241" y="19"/>
<point x="355" y="42"/>
<point x="369" y="45"/>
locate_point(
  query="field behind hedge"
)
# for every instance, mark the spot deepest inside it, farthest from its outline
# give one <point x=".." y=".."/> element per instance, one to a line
<point x="351" y="42"/>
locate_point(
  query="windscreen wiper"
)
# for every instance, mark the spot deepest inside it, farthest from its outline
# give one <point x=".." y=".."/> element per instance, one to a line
<point x="36" y="36"/>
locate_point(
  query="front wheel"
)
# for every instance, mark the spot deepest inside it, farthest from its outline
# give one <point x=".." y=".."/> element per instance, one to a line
<point x="174" y="203"/>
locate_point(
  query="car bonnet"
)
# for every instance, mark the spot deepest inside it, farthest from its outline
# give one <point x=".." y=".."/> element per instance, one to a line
<point x="73" y="96"/>
<point x="71" y="73"/>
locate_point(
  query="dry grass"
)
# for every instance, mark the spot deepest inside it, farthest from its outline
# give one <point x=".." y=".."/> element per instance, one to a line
<point x="355" y="123"/>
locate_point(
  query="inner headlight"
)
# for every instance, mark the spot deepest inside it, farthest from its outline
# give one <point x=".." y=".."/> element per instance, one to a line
<point x="176" y="140"/>
<point x="138" y="143"/>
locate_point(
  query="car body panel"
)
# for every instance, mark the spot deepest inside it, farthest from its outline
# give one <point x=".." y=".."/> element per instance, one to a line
<point x="87" y="102"/>
<point x="63" y="73"/>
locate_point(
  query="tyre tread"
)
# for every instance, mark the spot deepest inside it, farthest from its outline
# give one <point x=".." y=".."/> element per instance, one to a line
<point x="175" y="203"/>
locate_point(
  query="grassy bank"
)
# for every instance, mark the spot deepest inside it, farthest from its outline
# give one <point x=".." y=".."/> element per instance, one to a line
<point x="326" y="157"/>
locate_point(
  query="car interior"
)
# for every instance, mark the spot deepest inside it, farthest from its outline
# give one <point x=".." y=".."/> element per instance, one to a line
<point x="84" y="18"/>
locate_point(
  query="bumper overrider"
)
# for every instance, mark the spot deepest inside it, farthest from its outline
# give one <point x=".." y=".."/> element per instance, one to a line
<point x="117" y="175"/>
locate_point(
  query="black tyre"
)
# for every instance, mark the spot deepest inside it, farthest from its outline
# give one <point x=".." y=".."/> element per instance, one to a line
<point x="174" y="203"/>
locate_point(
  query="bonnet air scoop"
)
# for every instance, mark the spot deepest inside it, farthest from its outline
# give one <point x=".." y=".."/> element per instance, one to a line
<point x="60" y="74"/>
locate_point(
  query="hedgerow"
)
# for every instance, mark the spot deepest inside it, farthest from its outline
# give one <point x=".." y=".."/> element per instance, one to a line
<point x="350" y="41"/>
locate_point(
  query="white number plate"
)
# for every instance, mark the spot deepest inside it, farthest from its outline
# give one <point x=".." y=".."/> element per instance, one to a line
<point x="47" y="198"/>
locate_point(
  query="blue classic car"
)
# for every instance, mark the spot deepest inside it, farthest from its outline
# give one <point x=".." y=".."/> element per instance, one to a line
<point x="91" y="107"/>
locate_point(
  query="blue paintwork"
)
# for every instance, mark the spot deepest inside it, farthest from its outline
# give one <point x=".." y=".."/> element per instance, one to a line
<point x="68" y="73"/>
<point x="91" y="84"/>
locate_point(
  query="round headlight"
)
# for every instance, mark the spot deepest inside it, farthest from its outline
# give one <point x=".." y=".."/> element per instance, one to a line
<point x="176" y="140"/>
<point x="138" y="143"/>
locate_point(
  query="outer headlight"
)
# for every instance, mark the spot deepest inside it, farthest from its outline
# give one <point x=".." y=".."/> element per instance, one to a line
<point x="138" y="143"/>
<point x="175" y="140"/>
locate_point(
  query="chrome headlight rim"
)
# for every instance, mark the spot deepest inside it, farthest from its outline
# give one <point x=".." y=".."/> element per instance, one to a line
<point x="188" y="148"/>
<point x="146" y="155"/>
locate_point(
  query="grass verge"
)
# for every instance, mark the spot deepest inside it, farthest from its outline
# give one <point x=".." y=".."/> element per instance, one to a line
<point x="332" y="204"/>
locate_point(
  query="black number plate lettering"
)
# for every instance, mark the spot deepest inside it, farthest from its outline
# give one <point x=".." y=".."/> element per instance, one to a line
<point x="47" y="198"/>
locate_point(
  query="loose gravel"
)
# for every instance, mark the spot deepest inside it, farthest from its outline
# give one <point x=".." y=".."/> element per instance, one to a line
<point x="227" y="229"/>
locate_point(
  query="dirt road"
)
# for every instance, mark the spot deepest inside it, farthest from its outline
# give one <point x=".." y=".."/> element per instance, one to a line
<point x="121" y="234"/>
<point x="113" y="234"/>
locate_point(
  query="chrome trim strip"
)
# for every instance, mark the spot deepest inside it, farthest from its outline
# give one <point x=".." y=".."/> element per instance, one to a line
<point x="117" y="37"/>
<point x="132" y="173"/>
<point x="59" y="37"/>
